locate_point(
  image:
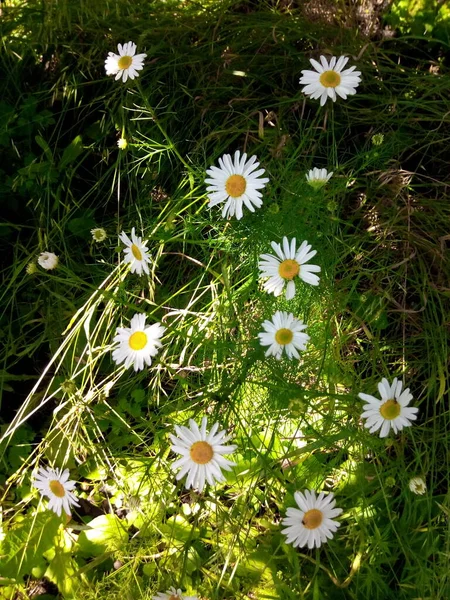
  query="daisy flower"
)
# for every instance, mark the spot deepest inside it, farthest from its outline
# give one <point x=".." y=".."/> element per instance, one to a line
<point x="288" y="264"/>
<point x="284" y="331"/>
<point x="122" y="143"/>
<point x="48" y="260"/>
<point x="173" y="594"/>
<point x="313" y="524"/>
<point x="55" y="484"/>
<point x="125" y="64"/>
<point x="98" y="234"/>
<point x="135" y="252"/>
<point x="391" y="411"/>
<point x="202" y="454"/>
<point x="329" y="79"/>
<point x="235" y="183"/>
<point x="137" y="344"/>
<point x="418" y="486"/>
<point x="317" y="178"/>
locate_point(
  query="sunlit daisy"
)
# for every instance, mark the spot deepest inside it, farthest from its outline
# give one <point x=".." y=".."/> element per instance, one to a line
<point x="313" y="524"/>
<point x="283" y="332"/>
<point x="235" y="183"/>
<point x="317" y="178"/>
<point x="48" y="260"/>
<point x="173" y="594"/>
<point x="202" y="454"/>
<point x="125" y="64"/>
<point x="286" y="266"/>
<point x="55" y="484"/>
<point x="329" y="79"/>
<point x="98" y="234"/>
<point x="391" y="411"/>
<point x="135" y="253"/>
<point x="417" y="485"/>
<point x="137" y="344"/>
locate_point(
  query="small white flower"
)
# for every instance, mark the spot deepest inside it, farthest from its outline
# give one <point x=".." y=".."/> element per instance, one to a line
<point x="288" y="264"/>
<point x="122" y="143"/>
<point x="418" y="486"/>
<point x="125" y="64"/>
<point x="137" y="344"/>
<point x="313" y="524"/>
<point x="98" y="234"/>
<point x="235" y="183"/>
<point x="202" y="454"/>
<point x="391" y="411"/>
<point x="48" y="260"/>
<point x="317" y="178"/>
<point x="329" y="79"/>
<point x="283" y="332"/>
<point x="55" y="484"/>
<point x="173" y="594"/>
<point x="135" y="252"/>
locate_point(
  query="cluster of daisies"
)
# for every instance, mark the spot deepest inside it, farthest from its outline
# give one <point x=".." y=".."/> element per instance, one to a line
<point x="237" y="183"/>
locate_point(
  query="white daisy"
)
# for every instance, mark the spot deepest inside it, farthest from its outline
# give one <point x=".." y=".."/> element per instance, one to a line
<point x="202" y="454"/>
<point x="391" y="411"/>
<point x="55" y="484"/>
<point x="235" y="183"/>
<point x="418" y="486"/>
<point x="48" y="260"/>
<point x="122" y="143"/>
<point x="98" y="234"/>
<point x="283" y="332"/>
<point x="317" y="178"/>
<point x="329" y="79"/>
<point x="135" y="253"/>
<point x="173" y="594"/>
<point x="137" y="343"/>
<point x="125" y="64"/>
<point x="313" y="524"/>
<point x="288" y="264"/>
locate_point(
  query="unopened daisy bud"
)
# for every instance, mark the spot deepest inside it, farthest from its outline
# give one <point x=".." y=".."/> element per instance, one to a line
<point x="418" y="486"/>
<point x="390" y="482"/>
<point x="98" y="234"/>
<point x="122" y="143"/>
<point x="377" y="139"/>
<point x="31" y="268"/>
<point x="48" y="260"/>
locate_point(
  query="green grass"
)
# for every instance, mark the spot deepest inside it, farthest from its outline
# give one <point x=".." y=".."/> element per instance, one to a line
<point x="220" y="76"/>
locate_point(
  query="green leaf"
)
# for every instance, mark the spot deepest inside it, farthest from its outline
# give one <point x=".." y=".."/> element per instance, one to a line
<point x="63" y="572"/>
<point x="105" y="533"/>
<point x="71" y="153"/>
<point x="45" y="147"/>
<point x="26" y="542"/>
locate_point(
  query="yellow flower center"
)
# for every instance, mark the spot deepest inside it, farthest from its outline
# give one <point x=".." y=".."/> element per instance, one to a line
<point x="235" y="185"/>
<point x="312" y="518"/>
<point x="390" y="409"/>
<point x="138" y="340"/>
<point x="288" y="269"/>
<point x="201" y="452"/>
<point x="125" y="62"/>
<point x="136" y="252"/>
<point x="284" y="336"/>
<point x="330" y="79"/>
<point x="174" y="597"/>
<point x="57" y="488"/>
